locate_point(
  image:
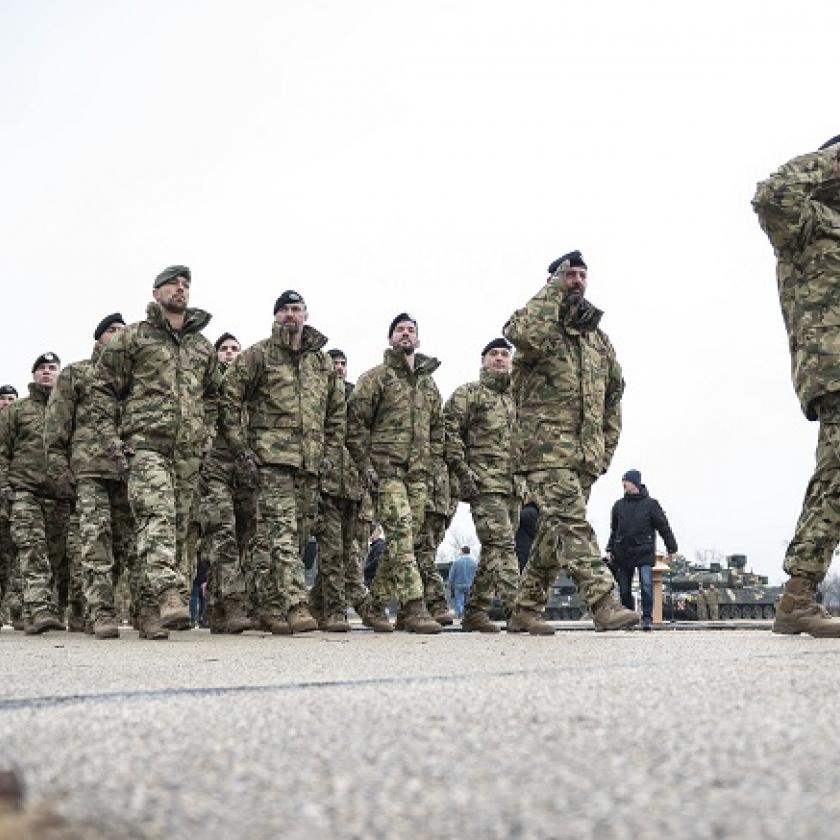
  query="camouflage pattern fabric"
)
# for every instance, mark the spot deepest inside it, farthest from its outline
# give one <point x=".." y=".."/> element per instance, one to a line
<point x="702" y="607"/>
<point x="564" y="541"/>
<point x="285" y="406"/>
<point x="75" y="596"/>
<point x="566" y="384"/>
<point x="10" y="596"/>
<point x="157" y="389"/>
<point x="39" y="531"/>
<point x="108" y="552"/>
<point x="394" y="416"/>
<point x="287" y="505"/>
<point x="400" y="509"/>
<point x="431" y="535"/>
<point x="496" y="517"/>
<point x="219" y="546"/>
<point x="335" y="532"/>
<point x="160" y="491"/>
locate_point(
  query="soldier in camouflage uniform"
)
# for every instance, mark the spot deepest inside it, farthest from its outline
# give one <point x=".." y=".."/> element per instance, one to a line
<point x="479" y="419"/>
<point x="224" y="507"/>
<point x="799" y="209"/>
<point x="102" y="530"/>
<point x="163" y="376"/>
<point x="394" y="430"/>
<point x="341" y="531"/>
<point x="285" y="391"/>
<point x="40" y="507"/>
<point x="567" y="386"/>
<point x="10" y="597"/>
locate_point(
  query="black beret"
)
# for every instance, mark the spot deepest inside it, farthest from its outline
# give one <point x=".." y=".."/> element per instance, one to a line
<point x="403" y="316"/>
<point x="44" y="359"/>
<point x="106" y="322"/>
<point x="502" y="343"/>
<point x="574" y="258"/>
<point x="831" y="142"/>
<point x="288" y="296"/>
<point x="5" y="390"/>
<point x="335" y="353"/>
<point x="169" y="274"/>
<point x="223" y="338"/>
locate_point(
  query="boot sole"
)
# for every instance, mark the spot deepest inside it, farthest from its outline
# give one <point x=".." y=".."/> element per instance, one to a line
<point x="624" y="625"/>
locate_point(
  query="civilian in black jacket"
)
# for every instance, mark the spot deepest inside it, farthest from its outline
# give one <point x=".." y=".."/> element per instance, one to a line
<point x="635" y="520"/>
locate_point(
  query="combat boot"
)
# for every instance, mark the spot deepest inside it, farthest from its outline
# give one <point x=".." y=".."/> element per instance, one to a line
<point x="174" y="613"/>
<point x="275" y="625"/>
<point x="75" y="624"/>
<point x="105" y="627"/>
<point x="236" y="619"/>
<point x="336" y="623"/>
<point x="17" y="619"/>
<point x="41" y="622"/>
<point x="528" y="621"/>
<point x="441" y="614"/>
<point x="478" y="622"/>
<point x="417" y="619"/>
<point x="151" y="627"/>
<point x="608" y="614"/>
<point x="375" y="619"/>
<point x="301" y="620"/>
<point x="799" y="612"/>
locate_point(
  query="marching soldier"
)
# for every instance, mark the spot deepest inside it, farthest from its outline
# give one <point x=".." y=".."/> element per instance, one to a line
<point x="9" y="569"/>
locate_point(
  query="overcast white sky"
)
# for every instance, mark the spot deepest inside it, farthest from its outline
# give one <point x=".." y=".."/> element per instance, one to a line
<point x="436" y="156"/>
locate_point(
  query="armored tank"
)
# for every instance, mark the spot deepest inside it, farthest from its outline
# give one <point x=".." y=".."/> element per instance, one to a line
<point x="740" y="594"/>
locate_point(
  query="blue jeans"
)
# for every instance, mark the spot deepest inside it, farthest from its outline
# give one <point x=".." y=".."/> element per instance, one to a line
<point x="198" y="605"/>
<point x="459" y="599"/>
<point x="625" y="583"/>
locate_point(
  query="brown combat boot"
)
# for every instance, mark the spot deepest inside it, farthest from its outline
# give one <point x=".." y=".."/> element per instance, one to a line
<point x="151" y="626"/>
<point x="416" y="619"/>
<point x="275" y="625"/>
<point x="41" y="622"/>
<point x="478" y="622"/>
<point x="105" y="627"/>
<point x="337" y="623"/>
<point x="236" y="619"/>
<point x="442" y="614"/>
<point x="375" y="618"/>
<point x="608" y="614"/>
<point x="528" y="621"/>
<point x="301" y="620"/>
<point x="799" y="612"/>
<point x="174" y="612"/>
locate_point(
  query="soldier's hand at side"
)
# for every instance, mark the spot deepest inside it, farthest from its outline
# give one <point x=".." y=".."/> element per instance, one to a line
<point x="246" y="470"/>
<point x="371" y="478"/>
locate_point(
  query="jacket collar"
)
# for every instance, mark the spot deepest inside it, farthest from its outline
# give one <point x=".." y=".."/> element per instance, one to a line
<point x="310" y="341"/>
<point x="495" y="380"/>
<point x="39" y="393"/>
<point x="195" y="320"/>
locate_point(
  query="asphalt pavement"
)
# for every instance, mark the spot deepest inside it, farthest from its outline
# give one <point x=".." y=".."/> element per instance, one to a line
<point x="700" y="734"/>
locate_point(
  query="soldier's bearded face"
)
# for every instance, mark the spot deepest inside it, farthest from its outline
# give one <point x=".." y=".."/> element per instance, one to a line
<point x="110" y="333"/>
<point x="46" y="374"/>
<point x="292" y="316"/>
<point x="228" y="351"/>
<point x="173" y="296"/>
<point x="405" y="338"/>
<point x="6" y="399"/>
<point x="498" y="358"/>
<point x="340" y="367"/>
<point x="574" y="284"/>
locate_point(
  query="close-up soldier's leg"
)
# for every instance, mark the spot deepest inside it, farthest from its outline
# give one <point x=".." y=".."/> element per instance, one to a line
<point x="77" y="612"/>
<point x="431" y="534"/>
<point x="124" y="551"/>
<point x="245" y="510"/>
<point x="186" y="470"/>
<point x="57" y="513"/>
<point x="355" y="552"/>
<point x="270" y="608"/>
<point x="327" y="598"/>
<point x="809" y="553"/>
<point x="30" y="537"/>
<point x="306" y="498"/>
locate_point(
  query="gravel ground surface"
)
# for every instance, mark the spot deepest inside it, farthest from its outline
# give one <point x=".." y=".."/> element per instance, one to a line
<point x="667" y="734"/>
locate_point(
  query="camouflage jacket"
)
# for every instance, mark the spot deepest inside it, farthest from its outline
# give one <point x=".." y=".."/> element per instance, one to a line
<point x="293" y="402"/>
<point x="164" y="382"/>
<point x="69" y="433"/>
<point x="23" y="460"/>
<point x="799" y="209"/>
<point x="566" y="385"/>
<point x="394" y="417"/>
<point x="218" y="462"/>
<point x="439" y="495"/>
<point x="343" y="480"/>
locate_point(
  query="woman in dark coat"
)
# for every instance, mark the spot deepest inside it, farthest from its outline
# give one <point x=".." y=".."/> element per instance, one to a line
<point x="635" y="521"/>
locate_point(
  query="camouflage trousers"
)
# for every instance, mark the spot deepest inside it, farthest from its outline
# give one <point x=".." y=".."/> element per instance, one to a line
<point x="107" y="545"/>
<point x="429" y="537"/>
<point x="400" y="509"/>
<point x="496" y="518"/>
<point x="75" y="597"/>
<point x="10" y="586"/>
<point x="287" y="506"/>
<point x="818" y="529"/>
<point x="564" y="540"/>
<point x="160" y="492"/>
<point x="39" y="531"/>
<point x="341" y="535"/>
<point x="219" y="545"/>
